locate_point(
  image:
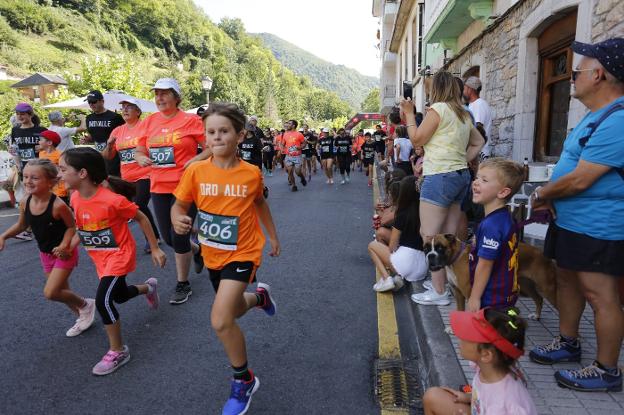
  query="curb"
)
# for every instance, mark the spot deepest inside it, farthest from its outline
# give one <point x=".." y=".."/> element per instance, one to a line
<point x="422" y="333"/>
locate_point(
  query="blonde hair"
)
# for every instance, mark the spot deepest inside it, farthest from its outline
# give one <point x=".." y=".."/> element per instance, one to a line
<point x="49" y="169"/>
<point x="509" y="173"/>
<point x="445" y="89"/>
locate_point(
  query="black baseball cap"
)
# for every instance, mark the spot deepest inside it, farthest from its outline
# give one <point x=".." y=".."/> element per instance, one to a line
<point x="94" y="95"/>
<point x="610" y="54"/>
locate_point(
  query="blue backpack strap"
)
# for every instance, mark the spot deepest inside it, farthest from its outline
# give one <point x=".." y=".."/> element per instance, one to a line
<point x="593" y="126"/>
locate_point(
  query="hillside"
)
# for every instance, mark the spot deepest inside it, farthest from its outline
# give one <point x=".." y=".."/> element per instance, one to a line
<point x="349" y="84"/>
<point x="127" y="44"/>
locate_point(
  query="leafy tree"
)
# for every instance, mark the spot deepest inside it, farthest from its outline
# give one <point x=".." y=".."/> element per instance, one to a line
<point x="234" y="27"/>
<point x="371" y="103"/>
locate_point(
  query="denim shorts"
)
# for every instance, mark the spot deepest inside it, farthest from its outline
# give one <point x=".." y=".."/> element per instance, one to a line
<point x="293" y="161"/>
<point x="445" y="189"/>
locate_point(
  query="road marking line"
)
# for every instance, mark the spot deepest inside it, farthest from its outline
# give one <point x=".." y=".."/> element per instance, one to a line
<point x="387" y="328"/>
<point x="9" y="215"/>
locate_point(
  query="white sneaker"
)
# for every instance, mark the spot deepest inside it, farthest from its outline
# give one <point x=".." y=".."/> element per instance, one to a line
<point x="432" y="298"/>
<point x="398" y="282"/>
<point x="85" y="319"/>
<point x="348" y="179"/>
<point x="384" y="284"/>
<point x="428" y="285"/>
<point x="342" y="182"/>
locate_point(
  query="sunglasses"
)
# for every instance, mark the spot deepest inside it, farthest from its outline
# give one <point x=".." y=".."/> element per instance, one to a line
<point x="575" y="72"/>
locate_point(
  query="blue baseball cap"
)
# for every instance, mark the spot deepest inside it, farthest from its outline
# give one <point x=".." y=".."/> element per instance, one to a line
<point x="610" y="54"/>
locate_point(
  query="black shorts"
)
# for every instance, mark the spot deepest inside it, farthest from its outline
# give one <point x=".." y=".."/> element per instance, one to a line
<point x="307" y="154"/>
<point x="369" y="162"/>
<point x="237" y="271"/>
<point x="380" y="147"/>
<point x="578" y="252"/>
<point x="326" y="156"/>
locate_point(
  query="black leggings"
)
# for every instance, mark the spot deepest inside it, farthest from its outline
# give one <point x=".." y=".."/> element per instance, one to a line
<point x="113" y="290"/>
<point x="162" y="208"/>
<point x="142" y="199"/>
<point x="267" y="159"/>
<point x="344" y="163"/>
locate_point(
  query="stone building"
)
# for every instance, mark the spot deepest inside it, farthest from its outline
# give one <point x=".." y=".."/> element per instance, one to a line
<point x="521" y="51"/>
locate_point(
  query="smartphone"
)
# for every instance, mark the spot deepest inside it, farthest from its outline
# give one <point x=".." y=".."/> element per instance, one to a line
<point x="407" y="90"/>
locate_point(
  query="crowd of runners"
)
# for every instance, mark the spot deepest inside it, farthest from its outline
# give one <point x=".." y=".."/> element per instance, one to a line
<point x="204" y="176"/>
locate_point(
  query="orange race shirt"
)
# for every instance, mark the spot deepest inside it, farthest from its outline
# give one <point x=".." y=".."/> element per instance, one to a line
<point x="126" y="141"/>
<point x="102" y="223"/>
<point x="229" y="230"/>
<point x="170" y="143"/>
<point x="293" y="141"/>
<point x="58" y="189"/>
<point x="279" y="143"/>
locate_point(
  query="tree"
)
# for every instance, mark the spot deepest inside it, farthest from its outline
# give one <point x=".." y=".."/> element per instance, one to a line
<point x="234" y="27"/>
<point x="371" y="103"/>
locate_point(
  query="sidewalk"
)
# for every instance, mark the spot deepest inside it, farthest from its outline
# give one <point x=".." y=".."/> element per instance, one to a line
<point x="548" y="397"/>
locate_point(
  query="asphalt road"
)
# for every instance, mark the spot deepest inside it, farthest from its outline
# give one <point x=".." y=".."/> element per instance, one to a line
<point x="314" y="357"/>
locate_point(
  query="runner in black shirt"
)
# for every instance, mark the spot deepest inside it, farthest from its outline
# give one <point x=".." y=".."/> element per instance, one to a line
<point x="100" y="123"/>
<point x="268" y="152"/>
<point x="342" y="143"/>
<point x="326" y="145"/>
<point x="26" y="136"/>
<point x="368" y="156"/>
<point x="379" y="137"/>
<point x="250" y="149"/>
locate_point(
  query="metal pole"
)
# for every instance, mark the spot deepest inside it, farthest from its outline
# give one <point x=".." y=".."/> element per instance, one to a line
<point x="207" y="97"/>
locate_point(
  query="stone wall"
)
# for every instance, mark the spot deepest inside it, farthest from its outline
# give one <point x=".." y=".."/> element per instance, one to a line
<point x="499" y="47"/>
<point x="607" y="19"/>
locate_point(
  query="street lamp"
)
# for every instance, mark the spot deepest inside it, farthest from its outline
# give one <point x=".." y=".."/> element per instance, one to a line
<point x="207" y="86"/>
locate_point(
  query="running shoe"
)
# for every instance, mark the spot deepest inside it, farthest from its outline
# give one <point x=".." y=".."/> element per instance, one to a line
<point x="270" y="307"/>
<point x="591" y="378"/>
<point x="240" y="396"/>
<point x="327" y="181"/>
<point x="342" y="181"/>
<point x="384" y="284"/>
<point x="198" y="261"/>
<point x="111" y="361"/>
<point x="181" y="294"/>
<point x="331" y="181"/>
<point x="153" y="299"/>
<point x="85" y="319"/>
<point x="270" y="174"/>
<point x="557" y="351"/>
<point x="24" y="236"/>
<point x="294" y="188"/>
<point x="304" y="182"/>
<point x="348" y="179"/>
<point x="432" y="298"/>
<point x="428" y="285"/>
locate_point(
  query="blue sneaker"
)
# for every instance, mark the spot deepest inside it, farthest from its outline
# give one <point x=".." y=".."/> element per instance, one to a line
<point x="240" y="396"/>
<point x="270" y="307"/>
<point x="590" y="379"/>
<point x="555" y="352"/>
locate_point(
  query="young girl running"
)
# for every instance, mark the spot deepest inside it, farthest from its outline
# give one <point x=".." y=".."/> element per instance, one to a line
<point x="228" y="196"/>
<point x="53" y="225"/>
<point x="494" y="341"/>
<point x="102" y="223"/>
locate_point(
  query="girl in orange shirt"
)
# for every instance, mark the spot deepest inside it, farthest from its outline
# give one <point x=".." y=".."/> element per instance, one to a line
<point x="228" y="196"/>
<point x="102" y="227"/>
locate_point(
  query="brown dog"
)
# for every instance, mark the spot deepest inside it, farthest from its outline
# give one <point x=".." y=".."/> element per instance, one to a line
<point x="536" y="274"/>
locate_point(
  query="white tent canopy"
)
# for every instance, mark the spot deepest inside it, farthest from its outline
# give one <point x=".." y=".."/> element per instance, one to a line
<point x="111" y="102"/>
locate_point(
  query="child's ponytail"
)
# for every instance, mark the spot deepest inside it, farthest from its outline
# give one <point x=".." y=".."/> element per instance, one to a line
<point x="509" y="325"/>
<point x="122" y="187"/>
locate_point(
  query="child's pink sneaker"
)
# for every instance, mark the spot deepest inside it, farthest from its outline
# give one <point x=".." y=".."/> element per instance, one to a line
<point x="111" y="361"/>
<point x="153" y="300"/>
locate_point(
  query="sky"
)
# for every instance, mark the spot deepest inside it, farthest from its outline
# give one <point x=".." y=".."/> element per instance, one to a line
<point x="338" y="31"/>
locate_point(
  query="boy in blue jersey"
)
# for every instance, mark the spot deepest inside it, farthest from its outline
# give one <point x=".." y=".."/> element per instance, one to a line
<point x="493" y="259"/>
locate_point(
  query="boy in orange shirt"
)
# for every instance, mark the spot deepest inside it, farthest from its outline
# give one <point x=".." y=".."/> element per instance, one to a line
<point x="230" y="204"/>
<point x="48" y="140"/>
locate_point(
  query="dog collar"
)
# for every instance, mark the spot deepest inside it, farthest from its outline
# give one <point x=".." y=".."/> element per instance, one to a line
<point x="459" y="252"/>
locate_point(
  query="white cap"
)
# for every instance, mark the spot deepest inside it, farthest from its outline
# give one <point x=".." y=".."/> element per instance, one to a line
<point x="167" y="83"/>
<point x="325" y="130"/>
<point x="132" y="101"/>
<point x="254" y="118"/>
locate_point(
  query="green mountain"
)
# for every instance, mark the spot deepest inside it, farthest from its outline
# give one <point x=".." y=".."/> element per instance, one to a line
<point x="128" y="44"/>
<point x="348" y="83"/>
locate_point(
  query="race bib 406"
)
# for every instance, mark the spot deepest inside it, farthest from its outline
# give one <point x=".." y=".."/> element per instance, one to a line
<point x="218" y="231"/>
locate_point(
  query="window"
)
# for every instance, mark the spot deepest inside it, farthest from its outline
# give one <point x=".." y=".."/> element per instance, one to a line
<point x="414" y="48"/>
<point x="554" y="89"/>
<point x="421" y="19"/>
